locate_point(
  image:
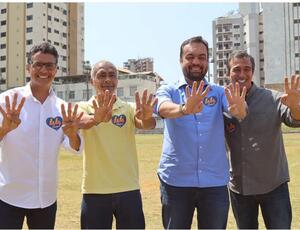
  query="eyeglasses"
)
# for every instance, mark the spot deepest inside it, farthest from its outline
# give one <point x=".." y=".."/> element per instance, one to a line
<point x="39" y="65"/>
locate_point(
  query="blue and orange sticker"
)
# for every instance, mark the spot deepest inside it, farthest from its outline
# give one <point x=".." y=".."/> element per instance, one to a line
<point x="210" y="101"/>
<point x="54" y="122"/>
<point x="119" y="120"/>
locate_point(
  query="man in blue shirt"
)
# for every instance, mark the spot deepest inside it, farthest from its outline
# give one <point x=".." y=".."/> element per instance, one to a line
<point x="193" y="169"/>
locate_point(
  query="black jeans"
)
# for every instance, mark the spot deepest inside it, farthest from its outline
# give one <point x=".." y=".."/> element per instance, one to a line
<point x="12" y="217"/>
<point x="97" y="210"/>
<point x="275" y="208"/>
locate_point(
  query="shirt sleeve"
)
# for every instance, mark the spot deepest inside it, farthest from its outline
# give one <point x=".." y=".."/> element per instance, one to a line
<point x="224" y="100"/>
<point x="285" y="112"/>
<point x="163" y="94"/>
<point x="66" y="144"/>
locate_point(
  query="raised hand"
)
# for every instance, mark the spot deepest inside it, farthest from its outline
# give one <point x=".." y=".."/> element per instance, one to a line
<point x="103" y="107"/>
<point x="194" y="99"/>
<point x="144" y="107"/>
<point x="11" y="117"/>
<point x="291" y="98"/>
<point x="237" y="106"/>
<point x="70" y="120"/>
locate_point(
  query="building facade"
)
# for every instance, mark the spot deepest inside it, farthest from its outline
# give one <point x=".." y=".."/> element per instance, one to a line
<point x="28" y="23"/>
<point x="139" y="65"/>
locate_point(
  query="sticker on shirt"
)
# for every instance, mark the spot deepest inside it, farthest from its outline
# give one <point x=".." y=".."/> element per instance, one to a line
<point x="54" y="122"/>
<point x="210" y="101"/>
<point x="119" y="120"/>
<point x="230" y="127"/>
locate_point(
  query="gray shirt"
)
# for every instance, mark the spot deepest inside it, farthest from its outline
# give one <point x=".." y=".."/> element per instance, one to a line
<point x="256" y="150"/>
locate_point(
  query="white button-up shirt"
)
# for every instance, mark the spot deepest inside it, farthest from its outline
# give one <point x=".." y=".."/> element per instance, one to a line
<point x="29" y="154"/>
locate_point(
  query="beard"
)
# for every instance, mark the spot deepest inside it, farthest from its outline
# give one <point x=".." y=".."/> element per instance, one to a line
<point x="195" y="77"/>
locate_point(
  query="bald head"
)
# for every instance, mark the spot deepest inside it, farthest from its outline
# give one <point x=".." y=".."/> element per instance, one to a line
<point x="101" y="64"/>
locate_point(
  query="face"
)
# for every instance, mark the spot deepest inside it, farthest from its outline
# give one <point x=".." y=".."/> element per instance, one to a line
<point x="105" y="78"/>
<point x="194" y="62"/>
<point x="42" y="70"/>
<point x="241" y="72"/>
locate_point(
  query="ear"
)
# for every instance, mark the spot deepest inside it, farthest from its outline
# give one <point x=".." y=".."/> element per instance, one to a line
<point x="27" y="67"/>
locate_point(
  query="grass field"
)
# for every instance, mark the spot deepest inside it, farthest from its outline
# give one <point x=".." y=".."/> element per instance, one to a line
<point x="149" y="149"/>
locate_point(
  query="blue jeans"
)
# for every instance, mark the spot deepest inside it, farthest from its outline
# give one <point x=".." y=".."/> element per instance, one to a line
<point x="275" y="208"/>
<point x="97" y="210"/>
<point x="179" y="203"/>
<point x="12" y="217"/>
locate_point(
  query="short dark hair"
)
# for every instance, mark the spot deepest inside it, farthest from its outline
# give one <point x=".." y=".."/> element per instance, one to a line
<point x="239" y="54"/>
<point x="197" y="39"/>
<point x="45" y="48"/>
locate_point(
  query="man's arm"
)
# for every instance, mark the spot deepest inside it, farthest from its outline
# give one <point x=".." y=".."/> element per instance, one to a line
<point x="194" y="103"/>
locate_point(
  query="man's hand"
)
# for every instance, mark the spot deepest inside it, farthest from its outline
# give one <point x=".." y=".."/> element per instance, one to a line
<point x="103" y="107"/>
<point x="237" y="106"/>
<point x="70" y="120"/>
<point x="194" y="99"/>
<point x="144" y="107"/>
<point x="11" y="116"/>
<point x="291" y="97"/>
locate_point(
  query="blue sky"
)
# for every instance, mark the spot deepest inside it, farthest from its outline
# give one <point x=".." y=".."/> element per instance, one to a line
<point x="121" y="31"/>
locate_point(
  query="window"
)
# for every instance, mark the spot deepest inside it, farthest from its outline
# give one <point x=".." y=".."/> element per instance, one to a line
<point x="3" y="34"/>
<point x="2" y="70"/>
<point x="29" y="42"/>
<point x="29" y="5"/>
<point x="49" y="5"/>
<point x="49" y="30"/>
<point x="3" y="11"/>
<point x="3" y="23"/>
<point x="236" y="26"/>
<point x="29" y="29"/>
<point x="2" y="58"/>
<point x="64" y="23"/>
<point x="64" y="58"/>
<point x="29" y="17"/>
<point x="65" y="12"/>
<point x="2" y="46"/>
<point x="49" y="18"/>
<point x="64" y="47"/>
<point x="56" y="7"/>
<point x="60" y="94"/>
<point x="132" y="90"/>
<point x="64" y="70"/>
<point x="120" y="92"/>
<point x="72" y="94"/>
<point x="56" y="31"/>
<point x="56" y="43"/>
<point x="56" y="19"/>
<point x="297" y="54"/>
<point x="64" y="35"/>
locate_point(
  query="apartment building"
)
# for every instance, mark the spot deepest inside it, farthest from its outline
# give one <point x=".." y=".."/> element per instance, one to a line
<point x="227" y="36"/>
<point x="281" y="23"/>
<point x="28" y="23"/>
<point x="139" y="65"/>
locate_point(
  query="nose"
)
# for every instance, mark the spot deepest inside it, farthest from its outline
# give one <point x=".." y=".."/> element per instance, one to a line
<point x="196" y="61"/>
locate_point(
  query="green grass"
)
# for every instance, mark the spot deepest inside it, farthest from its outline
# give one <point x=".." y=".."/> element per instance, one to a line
<point x="149" y="149"/>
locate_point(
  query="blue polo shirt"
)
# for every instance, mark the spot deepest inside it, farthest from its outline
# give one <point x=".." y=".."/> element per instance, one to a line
<point x="194" y="153"/>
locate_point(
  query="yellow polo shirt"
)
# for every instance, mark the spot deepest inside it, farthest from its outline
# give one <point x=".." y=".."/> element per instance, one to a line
<point x="110" y="163"/>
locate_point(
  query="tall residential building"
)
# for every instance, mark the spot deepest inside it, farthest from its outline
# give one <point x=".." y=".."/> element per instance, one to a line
<point x="227" y="36"/>
<point x="281" y="23"/>
<point x="25" y="24"/>
<point x="139" y="65"/>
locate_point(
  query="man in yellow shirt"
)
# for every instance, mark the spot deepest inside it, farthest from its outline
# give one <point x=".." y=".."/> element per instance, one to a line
<point x="110" y="165"/>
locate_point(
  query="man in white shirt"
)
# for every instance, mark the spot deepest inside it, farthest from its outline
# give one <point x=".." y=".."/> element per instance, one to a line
<point x="32" y="128"/>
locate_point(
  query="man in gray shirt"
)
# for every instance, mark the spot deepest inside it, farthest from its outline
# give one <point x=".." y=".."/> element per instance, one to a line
<point x="259" y="169"/>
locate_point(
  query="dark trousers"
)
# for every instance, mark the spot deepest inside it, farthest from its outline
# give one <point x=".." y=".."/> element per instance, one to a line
<point x="179" y="203"/>
<point x="12" y="217"/>
<point x="97" y="210"/>
<point x="275" y="208"/>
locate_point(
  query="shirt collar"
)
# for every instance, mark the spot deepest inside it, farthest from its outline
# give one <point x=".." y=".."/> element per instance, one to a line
<point x="252" y="90"/>
<point x="28" y="91"/>
<point x="182" y="82"/>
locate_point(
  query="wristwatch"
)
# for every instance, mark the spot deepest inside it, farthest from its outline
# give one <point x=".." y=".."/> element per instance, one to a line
<point x="181" y="109"/>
